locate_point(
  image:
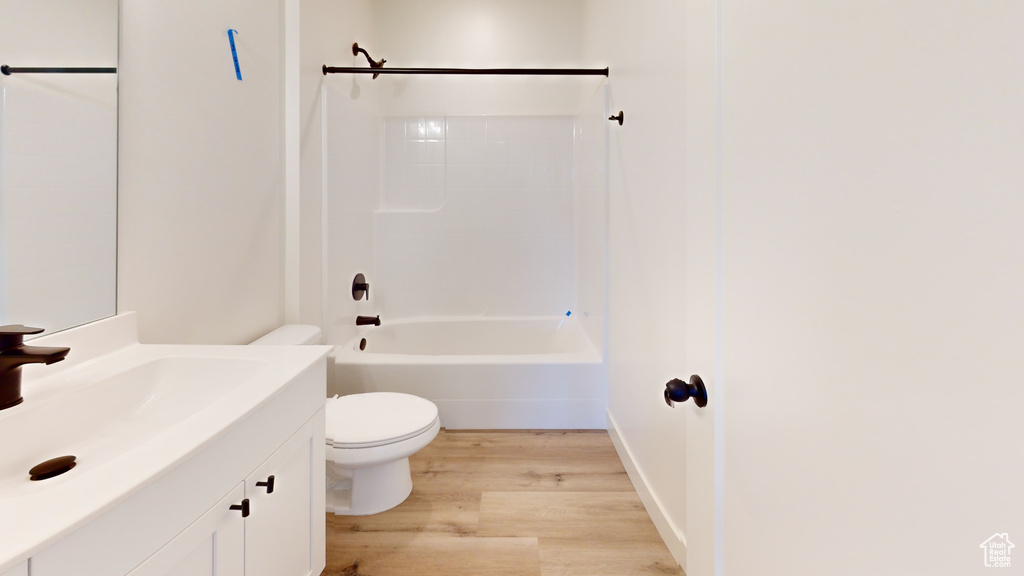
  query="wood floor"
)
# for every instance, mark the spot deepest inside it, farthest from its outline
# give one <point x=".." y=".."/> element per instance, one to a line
<point x="548" y="503"/>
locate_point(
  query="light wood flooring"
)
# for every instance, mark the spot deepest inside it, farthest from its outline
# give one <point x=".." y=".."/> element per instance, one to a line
<point x="498" y="503"/>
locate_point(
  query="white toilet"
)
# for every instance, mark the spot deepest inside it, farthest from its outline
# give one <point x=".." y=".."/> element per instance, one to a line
<point x="369" y="439"/>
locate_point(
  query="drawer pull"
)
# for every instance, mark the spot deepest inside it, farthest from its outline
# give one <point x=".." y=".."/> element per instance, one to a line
<point x="244" y="507"/>
<point x="269" y="484"/>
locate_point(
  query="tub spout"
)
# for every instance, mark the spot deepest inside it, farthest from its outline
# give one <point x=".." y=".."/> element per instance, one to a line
<point x="14" y="354"/>
<point x="368" y="320"/>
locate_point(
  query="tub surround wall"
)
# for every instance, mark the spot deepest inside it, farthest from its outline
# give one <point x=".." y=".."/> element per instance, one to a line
<point x="350" y="189"/>
<point x="590" y="218"/>
<point x="477" y="217"/>
<point x="413" y="33"/>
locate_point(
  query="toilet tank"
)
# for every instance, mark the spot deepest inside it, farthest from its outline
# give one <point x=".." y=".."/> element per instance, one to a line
<point x="291" y="334"/>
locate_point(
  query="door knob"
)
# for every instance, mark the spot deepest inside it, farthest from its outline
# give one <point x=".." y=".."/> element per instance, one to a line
<point x="678" y="391"/>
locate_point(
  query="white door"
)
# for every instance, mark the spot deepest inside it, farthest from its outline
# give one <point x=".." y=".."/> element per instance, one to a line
<point x="870" y="313"/>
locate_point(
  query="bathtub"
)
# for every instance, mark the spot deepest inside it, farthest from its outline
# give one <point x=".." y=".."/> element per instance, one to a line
<point x="483" y="373"/>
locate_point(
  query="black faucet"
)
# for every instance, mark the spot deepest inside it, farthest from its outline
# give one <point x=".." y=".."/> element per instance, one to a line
<point x="368" y="320"/>
<point x="14" y="355"/>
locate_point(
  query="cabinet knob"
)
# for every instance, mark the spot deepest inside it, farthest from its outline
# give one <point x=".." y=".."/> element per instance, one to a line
<point x="269" y="484"/>
<point x="244" y="507"/>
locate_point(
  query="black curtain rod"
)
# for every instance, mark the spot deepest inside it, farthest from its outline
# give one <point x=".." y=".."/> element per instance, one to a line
<point x="472" y="71"/>
<point x="8" y="70"/>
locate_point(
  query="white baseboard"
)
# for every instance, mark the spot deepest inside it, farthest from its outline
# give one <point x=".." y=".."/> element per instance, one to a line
<point x="672" y="536"/>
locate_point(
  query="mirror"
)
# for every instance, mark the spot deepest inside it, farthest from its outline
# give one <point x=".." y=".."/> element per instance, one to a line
<point x="58" y="162"/>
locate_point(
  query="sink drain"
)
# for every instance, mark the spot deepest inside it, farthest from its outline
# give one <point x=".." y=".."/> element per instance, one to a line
<point x="52" y="467"/>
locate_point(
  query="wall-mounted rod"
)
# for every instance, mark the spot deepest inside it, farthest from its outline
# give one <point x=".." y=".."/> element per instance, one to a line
<point x="472" y="71"/>
<point x="8" y="70"/>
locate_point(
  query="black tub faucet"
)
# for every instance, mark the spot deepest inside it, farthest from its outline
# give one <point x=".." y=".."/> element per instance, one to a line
<point x="368" y="320"/>
<point x="14" y="354"/>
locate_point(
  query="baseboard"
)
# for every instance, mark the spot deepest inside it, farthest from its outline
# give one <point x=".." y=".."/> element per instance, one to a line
<point x="672" y="536"/>
<point x="522" y="414"/>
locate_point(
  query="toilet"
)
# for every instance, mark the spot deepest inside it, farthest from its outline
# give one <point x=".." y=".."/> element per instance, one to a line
<point x="370" y="437"/>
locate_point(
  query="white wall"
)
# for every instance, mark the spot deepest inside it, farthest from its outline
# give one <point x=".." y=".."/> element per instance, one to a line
<point x="866" y="337"/>
<point x="328" y="28"/>
<point x="872" y="278"/>
<point x="200" y="170"/>
<point x="58" y="164"/>
<point x="469" y="33"/>
<point x="644" y="48"/>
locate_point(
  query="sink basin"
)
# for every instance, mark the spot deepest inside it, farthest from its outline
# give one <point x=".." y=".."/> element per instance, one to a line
<point x="101" y="412"/>
<point x="130" y="413"/>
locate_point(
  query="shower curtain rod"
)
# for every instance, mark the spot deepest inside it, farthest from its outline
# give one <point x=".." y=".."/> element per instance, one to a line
<point x="471" y="71"/>
<point x="8" y="70"/>
<point x="377" y="68"/>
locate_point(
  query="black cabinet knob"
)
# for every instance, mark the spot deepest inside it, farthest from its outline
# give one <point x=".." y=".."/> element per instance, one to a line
<point x="269" y="484"/>
<point x="244" y="507"/>
<point x="678" y="391"/>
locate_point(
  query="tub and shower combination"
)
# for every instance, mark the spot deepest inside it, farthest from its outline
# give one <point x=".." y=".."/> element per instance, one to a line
<point x="483" y="372"/>
<point x="476" y="232"/>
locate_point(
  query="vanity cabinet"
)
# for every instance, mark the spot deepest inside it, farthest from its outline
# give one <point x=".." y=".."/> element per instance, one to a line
<point x="274" y="538"/>
<point x="183" y="522"/>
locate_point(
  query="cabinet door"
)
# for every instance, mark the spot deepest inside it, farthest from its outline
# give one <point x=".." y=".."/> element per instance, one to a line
<point x="213" y="545"/>
<point x="279" y="531"/>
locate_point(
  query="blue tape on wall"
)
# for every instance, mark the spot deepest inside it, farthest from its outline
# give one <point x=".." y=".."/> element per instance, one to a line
<point x="234" y="53"/>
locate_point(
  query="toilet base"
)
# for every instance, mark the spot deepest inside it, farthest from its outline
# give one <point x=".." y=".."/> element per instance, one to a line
<point x="367" y="490"/>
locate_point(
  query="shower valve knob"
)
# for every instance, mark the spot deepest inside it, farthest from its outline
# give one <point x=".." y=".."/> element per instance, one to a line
<point x="360" y="287"/>
<point x="678" y="391"/>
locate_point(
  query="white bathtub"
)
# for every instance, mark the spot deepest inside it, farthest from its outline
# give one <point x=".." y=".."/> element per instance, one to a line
<point x="483" y="373"/>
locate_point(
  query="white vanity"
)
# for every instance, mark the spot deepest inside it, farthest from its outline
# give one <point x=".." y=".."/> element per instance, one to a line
<point x="191" y="460"/>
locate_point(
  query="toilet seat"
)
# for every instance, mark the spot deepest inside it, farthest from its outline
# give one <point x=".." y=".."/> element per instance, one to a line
<point x="377" y="419"/>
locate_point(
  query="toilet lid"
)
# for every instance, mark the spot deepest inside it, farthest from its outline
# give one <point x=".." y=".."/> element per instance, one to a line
<point x="377" y="418"/>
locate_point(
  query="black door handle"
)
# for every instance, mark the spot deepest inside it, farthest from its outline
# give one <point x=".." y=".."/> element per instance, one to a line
<point x="269" y="484"/>
<point x="678" y="391"/>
